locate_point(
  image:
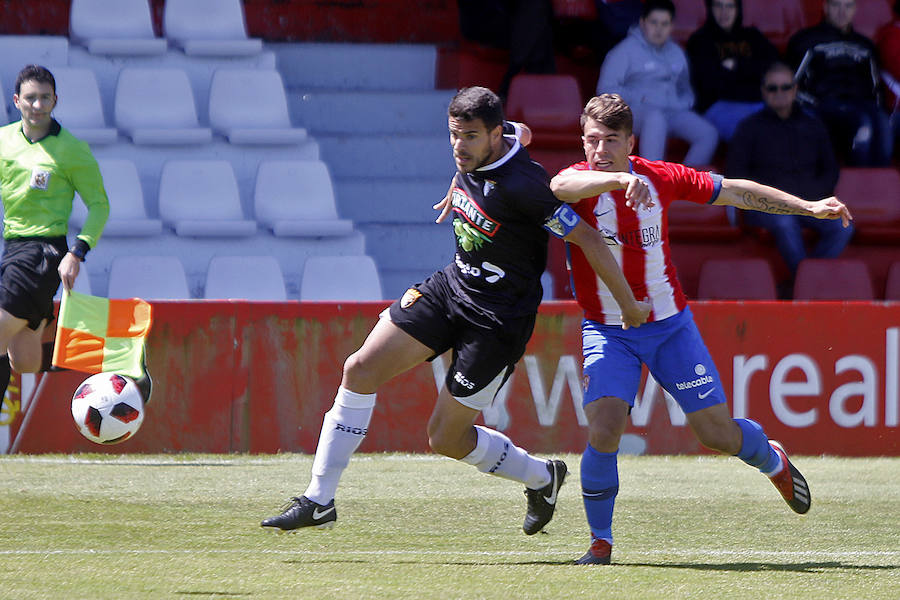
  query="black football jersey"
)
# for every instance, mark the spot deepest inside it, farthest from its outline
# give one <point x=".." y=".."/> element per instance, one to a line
<point x="499" y="213"/>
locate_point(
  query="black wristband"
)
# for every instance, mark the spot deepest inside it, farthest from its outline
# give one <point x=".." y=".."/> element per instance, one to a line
<point x="79" y="249"/>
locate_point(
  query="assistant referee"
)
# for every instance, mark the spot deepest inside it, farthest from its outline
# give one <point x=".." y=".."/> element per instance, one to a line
<point x="42" y="165"/>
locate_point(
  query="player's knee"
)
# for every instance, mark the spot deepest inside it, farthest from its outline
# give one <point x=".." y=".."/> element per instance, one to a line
<point x="604" y="437"/>
<point x="25" y="364"/>
<point x="357" y="374"/>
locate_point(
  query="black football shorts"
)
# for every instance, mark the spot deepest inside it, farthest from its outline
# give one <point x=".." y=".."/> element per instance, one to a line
<point x="29" y="277"/>
<point x="483" y="345"/>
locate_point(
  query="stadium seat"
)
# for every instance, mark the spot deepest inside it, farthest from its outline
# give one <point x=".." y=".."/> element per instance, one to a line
<point x="127" y="214"/>
<point x="550" y="105"/>
<point x="873" y="197"/>
<point x="114" y="27"/>
<point x="689" y="16"/>
<point x="777" y="21"/>
<point x="871" y="15"/>
<point x="200" y="198"/>
<point x="155" y="106"/>
<point x="689" y="221"/>
<point x="245" y="277"/>
<point x="82" y="283"/>
<point x="296" y="198"/>
<point x="575" y="9"/>
<point x="209" y="28"/>
<point x="333" y="278"/>
<point x="736" y="279"/>
<point x="16" y="51"/>
<point x="892" y="287"/>
<point x="833" y="279"/>
<point x="81" y="109"/>
<point x="249" y="106"/>
<point x="148" y="277"/>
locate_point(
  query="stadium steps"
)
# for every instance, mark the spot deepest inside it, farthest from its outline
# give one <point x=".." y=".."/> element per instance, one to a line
<point x="381" y="127"/>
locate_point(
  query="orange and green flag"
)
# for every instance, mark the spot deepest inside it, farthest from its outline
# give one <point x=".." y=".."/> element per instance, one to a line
<point x="99" y="335"/>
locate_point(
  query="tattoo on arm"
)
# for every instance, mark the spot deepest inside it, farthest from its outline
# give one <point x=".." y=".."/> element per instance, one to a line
<point x="767" y="205"/>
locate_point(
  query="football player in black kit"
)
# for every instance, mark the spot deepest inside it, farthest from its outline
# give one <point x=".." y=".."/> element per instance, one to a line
<point x="482" y="306"/>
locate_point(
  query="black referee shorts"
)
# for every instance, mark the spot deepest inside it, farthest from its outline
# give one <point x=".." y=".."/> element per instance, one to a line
<point x="482" y="345"/>
<point x="29" y="277"/>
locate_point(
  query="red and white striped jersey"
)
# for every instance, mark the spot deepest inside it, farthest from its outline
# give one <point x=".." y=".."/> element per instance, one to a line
<point x="639" y="241"/>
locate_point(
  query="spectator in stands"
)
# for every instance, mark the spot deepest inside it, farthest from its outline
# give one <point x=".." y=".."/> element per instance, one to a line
<point x="784" y="147"/>
<point x="614" y="19"/>
<point x="651" y="72"/>
<point x="888" y="42"/>
<point x="727" y="63"/>
<point x="523" y="26"/>
<point x="838" y="78"/>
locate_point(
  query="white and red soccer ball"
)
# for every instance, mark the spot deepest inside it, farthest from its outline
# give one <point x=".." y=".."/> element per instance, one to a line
<point x="108" y="408"/>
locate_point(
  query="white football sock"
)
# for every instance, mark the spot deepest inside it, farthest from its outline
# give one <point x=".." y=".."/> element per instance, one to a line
<point x="495" y="454"/>
<point x="343" y="429"/>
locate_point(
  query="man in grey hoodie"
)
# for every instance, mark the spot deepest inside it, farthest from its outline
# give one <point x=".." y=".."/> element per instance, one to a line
<point x="651" y="73"/>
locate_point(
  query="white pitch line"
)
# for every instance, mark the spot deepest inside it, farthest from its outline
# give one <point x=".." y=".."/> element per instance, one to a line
<point x="670" y="553"/>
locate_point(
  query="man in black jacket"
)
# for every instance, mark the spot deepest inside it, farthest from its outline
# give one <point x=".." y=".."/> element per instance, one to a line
<point x="727" y="63"/>
<point x="784" y="147"/>
<point x="838" y="78"/>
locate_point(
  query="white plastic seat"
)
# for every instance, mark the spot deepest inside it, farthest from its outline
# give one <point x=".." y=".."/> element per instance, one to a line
<point x="16" y="51"/>
<point x="245" y="277"/>
<point x="155" y="106"/>
<point x="148" y="277"/>
<point x="249" y="106"/>
<point x="114" y="27"/>
<point x="295" y="198"/>
<point x="347" y="278"/>
<point x="127" y="214"/>
<point x="80" y="109"/>
<point x="200" y="198"/>
<point x="209" y="28"/>
<point x="82" y="283"/>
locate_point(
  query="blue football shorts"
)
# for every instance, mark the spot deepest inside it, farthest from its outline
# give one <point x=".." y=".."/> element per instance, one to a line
<point x="673" y="351"/>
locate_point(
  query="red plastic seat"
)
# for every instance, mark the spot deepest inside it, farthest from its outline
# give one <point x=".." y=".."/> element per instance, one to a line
<point x="736" y="279"/>
<point x="689" y="16"/>
<point x="689" y="221"/>
<point x="873" y="197"/>
<point x="871" y="15"/>
<point x="776" y="20"/>
<point x="575" y="9"/>
<point x="892" y="289"/>
<point x="550" y="105"/>
<point x="833" y="279"/>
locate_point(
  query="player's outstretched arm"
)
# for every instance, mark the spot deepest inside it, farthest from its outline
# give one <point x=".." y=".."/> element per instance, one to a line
<point x="593" y="245"/>
<point x="573" y="185"/>
<point x="445" y="205"/>
<point x="749" y="195"/>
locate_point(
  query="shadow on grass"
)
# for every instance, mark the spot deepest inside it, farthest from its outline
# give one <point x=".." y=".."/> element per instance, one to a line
<point x="800" y="567"/>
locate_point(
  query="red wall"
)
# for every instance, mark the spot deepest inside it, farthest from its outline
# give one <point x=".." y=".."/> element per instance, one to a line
<point x="390" y="21"/>
<point x="256" y="377"/>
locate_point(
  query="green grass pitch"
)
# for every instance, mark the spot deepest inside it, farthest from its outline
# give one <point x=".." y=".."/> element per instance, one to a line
<point x="417" y="526"/>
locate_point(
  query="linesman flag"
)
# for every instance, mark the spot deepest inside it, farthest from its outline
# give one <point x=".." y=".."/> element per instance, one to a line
<point x="99" y="335"/>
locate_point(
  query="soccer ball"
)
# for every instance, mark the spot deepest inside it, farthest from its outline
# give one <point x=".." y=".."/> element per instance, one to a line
<point x="107" y="408"/>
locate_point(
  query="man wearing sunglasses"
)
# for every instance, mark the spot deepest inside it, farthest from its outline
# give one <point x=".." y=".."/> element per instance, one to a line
<point x="784" y="147"/>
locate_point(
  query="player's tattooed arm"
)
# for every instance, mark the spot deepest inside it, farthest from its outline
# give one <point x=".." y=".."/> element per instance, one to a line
<point x="749" y="195"/>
